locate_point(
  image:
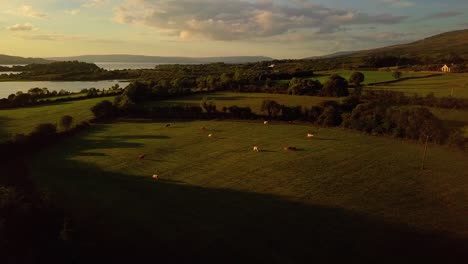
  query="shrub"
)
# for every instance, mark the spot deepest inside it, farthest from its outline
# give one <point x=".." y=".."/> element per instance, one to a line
<point x="45" y="130"/>
<point x="330" y="117"/>
<point x="103" y="110"/>
<point x="336" y="86"/>
<point x="66" y="121"/>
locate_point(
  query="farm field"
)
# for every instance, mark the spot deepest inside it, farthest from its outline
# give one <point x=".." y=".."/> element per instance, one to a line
<point x="23" y="120"/>
<point x="253" y="100"/>
<point x="370" y="76"/>
<point x="439" y="85"/>
<point x="342" y="191"/>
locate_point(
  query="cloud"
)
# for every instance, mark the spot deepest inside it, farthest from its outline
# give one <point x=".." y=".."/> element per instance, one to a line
<point x="72" y="12"/>
<point x="94" y="3"/>
<point x="240" y="20"/>
<point x="27" y="11"/>
<point x="66" y="38"/>
<point x="21" y="27"/>
<point x="398" y="3"/>
<point x="440" y="15"/>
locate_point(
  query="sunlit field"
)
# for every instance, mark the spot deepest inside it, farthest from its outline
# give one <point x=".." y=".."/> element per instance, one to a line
<point x="23" y="120"/>
<point x="439" y="85"/>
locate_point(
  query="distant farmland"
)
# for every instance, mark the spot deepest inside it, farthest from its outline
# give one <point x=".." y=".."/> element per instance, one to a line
<point x="439" y="85"/>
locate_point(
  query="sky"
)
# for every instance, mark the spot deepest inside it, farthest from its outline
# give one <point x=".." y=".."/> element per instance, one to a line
<point x="203" y="28"/>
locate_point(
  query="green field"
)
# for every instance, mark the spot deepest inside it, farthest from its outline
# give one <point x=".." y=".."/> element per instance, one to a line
<point x="439" y="85"/>
<point x="23" y="120"/>
<point x="370" y="76"/>
<point x="253" y="100"/>
<point x="341" y="191"/>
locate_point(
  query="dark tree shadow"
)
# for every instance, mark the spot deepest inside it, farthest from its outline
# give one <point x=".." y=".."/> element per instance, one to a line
<point x="4" y="135"/>
<point x="141" y="137"/>
<point x="165" y="220"/>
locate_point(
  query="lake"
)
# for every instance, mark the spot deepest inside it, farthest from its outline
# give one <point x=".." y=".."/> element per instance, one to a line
<point x="7" y="88"/>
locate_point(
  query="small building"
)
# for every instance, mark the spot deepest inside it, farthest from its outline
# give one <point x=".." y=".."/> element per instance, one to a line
<point x="272" y="66"/>
<point x="445" y="68"/>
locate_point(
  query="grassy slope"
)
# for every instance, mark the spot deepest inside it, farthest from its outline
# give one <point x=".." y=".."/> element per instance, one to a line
<point x="439" y="85"/>
<point x="253" y="100"/>
<point x="454" y="41"/>
<point x="23" y="120"/>
<point x="342" y="190"/>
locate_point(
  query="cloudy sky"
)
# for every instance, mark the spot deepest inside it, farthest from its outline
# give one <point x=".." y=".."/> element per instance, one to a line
<point x="275" y="28"/>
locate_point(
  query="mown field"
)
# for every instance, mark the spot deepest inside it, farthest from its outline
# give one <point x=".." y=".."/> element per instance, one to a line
<point x="342" y="195"/>
<point x="439" y="85"/>
<point x="23" y="120"/>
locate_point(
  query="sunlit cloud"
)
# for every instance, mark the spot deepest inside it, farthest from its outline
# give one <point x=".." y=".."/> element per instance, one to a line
<point x="27" y="11"/>
<point x="94" y="3"/>
<point x="72" y="12"/>
<point x="68" y="38"/>
<point x="21" y="27"/>
<point x="440" y="15"/>
<point x="240" y="20"/>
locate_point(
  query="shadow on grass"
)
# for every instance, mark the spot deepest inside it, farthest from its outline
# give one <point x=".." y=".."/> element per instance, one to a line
<point x="4" y="135"/>
<point x="141" y="137"/>
<point x="125" y="219"/>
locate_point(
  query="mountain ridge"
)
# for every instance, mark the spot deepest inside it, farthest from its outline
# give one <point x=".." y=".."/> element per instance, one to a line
<point x="129" y="58"/>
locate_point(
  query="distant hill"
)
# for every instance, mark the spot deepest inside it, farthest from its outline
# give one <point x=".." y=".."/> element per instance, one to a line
<point x="438" y="45"/>
<point x="6" y="59"/>
<point x="442" y="48"/>
<point x="333" y="55"/>
<point x="159" y="59"/>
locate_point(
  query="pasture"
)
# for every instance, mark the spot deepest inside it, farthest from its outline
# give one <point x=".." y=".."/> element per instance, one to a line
<point x="23" y="120"/>
<point x="439" y="85"/>
<point x="341" y="196"/>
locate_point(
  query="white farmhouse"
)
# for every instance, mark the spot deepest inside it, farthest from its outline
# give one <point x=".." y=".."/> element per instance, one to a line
<point x="445" y="68"/>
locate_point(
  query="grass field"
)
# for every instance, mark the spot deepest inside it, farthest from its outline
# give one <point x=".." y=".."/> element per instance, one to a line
<point x="370" y="76"/>
<point x="341" y="195"/>
<point x="253" y="100"/>
<point x="23" y="120"/>
<point x="439" y="85"/>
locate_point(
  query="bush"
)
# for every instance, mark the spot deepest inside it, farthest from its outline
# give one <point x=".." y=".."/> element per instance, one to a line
<point x="46" y="130"/>
<point x="66" y="121"/>
<point x="336" y="86"/>
<point x="103" y="110"/>
<point x="330" y="117"/>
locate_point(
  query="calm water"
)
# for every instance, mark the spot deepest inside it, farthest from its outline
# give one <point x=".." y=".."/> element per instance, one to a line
<point x="7" y="88"/>
<point x="9" y="73"/>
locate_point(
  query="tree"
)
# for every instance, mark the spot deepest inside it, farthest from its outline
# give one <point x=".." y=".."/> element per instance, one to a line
<point x="336" y="86"/>
<point x="66" y="121"/>
<point x="103" y="110"/>
<point x="329" y="117"/>
<point x="271" y="107"/>
<point x="208" y="105"/>
<point x="356" y="79"/>
<point x="44" y="130"/>
<point x="397" y="74"/>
